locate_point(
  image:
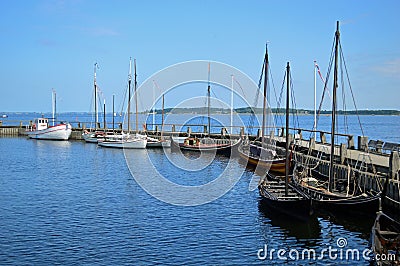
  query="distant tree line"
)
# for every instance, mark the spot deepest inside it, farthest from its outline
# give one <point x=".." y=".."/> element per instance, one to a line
<point x="249" y="110"/>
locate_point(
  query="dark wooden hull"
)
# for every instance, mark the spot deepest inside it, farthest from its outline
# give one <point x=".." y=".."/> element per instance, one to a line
<point x="295" y="204"/>
<point x="385" y="239"/>
<point x="277" y="165"/>
<point x="354" y="205"/>
<point x="223" y="148"/>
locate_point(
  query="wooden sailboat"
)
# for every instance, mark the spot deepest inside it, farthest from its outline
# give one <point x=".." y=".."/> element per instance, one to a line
<point x="93" y="136"/>
<point x="128" y="140"/>
<point x="284" y="196"/>
<point x="385" y="239"/>
<point x="223" y="146"/>
<point x="41" y="129"/>
<point x="262" y="154"/>
<point x="385" y="235"/>
<point x="324" y="192"/>
<point x="159" y="142"/>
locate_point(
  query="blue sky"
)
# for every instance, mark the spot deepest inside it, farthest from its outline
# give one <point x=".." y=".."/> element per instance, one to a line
<point x="54" y="44"/>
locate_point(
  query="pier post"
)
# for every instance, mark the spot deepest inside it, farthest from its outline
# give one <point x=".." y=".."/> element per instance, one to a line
<point x="350" y="142"/>
<point x="20" y="124"/>
<point x="343" y="153"/>
<point x="300" y="134"/>
<point x="312" y="143"/>
<point x="223" y="131"/>
<point x="322" y="137"/>
<point x="362" y="143"/>
<point x="394" y="165"/>
<point x="259" y="133"/>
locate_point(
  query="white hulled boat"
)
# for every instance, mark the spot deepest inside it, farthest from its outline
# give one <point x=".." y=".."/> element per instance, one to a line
<point x="126" y="141"/>
<point x="41" y="129"/>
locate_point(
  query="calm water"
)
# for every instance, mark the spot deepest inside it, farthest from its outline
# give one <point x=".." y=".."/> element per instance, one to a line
<point x="73" y="203"/>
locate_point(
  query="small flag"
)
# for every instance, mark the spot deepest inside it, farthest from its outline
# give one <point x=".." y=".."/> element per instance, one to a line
<point x="319" y="72"/>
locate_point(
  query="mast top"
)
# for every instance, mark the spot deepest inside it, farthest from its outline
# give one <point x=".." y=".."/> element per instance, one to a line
<point x="337" y="34"/>
<point x="130" y="69"/>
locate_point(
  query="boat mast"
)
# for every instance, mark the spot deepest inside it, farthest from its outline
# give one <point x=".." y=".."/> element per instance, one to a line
<point x="95" y="97"/>
<point x="287" y="162"/>
<point x="54" y="96"/>
<point x="153" y="109"/>
<point x="162" y="114"/>
<point x="104" y="114"/>
<point x="136" y="100"/>
<point x="113" y="112"/>
<point x="334" y="106"/>
<point x="265" y="96"/>
<point x="315" y="100"/>
<point x="129" y="94"/>
<point x="231" y="130"/>
<point x="208" y="96"/>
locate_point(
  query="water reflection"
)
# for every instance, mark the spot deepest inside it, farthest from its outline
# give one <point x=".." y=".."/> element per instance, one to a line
<point x="291" y="227"/>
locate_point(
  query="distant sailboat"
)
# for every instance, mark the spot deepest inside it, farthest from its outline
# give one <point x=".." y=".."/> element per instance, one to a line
<point x="42" y="130"/>
<point x="207" y="144"/>
<point x="128" y="140"/>
<point x="161" y="142"/>
<point x="93" y="136"/>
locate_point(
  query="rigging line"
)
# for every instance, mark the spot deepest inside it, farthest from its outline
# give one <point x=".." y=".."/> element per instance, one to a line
<point x="295" y="117"/>
<point x="250" y="125"/>
<point x="122" y="103"/>
<point x="351" y="90"/>
<point x="326" y="80"/>
<point x="278" y="104"/>
<point x="215" y="96"/>
<point x="272" y="80"/>
<point x="345" y="118"/>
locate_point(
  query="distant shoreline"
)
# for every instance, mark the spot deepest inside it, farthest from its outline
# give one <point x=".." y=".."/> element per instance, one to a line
<point x="247" y="110"/>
